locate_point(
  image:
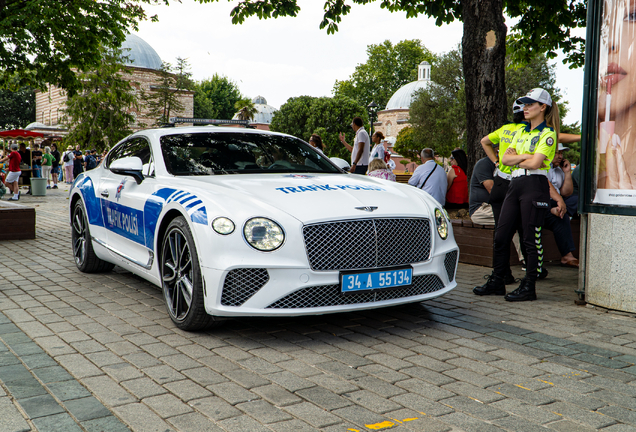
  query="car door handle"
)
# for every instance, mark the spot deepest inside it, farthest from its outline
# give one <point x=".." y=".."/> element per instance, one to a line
<point x="105" y="193"/>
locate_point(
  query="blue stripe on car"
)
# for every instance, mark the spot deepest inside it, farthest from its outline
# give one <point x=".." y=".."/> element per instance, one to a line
<point x="91" y="201"/>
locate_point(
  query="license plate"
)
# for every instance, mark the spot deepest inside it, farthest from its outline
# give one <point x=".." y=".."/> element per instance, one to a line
<point x="351" y="282"/>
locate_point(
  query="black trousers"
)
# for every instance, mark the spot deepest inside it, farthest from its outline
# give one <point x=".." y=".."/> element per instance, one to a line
<point x="562" y="231"/>
<point x="361" y="169"/>
<point x="528" y="202"/>
<point x="497" y="197"/>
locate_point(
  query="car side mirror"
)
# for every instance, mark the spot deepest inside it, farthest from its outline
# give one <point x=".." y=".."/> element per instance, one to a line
<point x="130" y="166"/>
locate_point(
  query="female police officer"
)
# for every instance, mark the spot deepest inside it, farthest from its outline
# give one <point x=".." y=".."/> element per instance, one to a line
<point x="528" y="197"/>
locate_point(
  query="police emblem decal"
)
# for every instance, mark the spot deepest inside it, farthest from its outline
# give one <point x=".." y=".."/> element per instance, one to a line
<point x="119" y="188"/>
<point x="549" y="142"/>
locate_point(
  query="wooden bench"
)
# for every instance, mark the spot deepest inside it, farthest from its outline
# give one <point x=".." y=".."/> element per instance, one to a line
<point x="475" y="243"/>
<point x="402" y="178"/>
<point x="17" y="222"/>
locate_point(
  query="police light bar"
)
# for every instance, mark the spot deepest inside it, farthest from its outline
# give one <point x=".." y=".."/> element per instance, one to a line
<point x="195" y="121"/>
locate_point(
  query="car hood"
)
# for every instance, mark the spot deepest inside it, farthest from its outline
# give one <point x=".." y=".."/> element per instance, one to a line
<point x="311" y="198"/>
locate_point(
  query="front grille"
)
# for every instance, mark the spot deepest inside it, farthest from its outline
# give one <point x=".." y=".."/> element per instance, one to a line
<point x="367" y="243"/>
<point x="330" y="295"/>
<point x="449" y="263"/>
<point x="241" y="284"/>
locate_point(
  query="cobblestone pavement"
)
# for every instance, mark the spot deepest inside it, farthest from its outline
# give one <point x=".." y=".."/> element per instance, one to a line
<point x="99" y="353"/>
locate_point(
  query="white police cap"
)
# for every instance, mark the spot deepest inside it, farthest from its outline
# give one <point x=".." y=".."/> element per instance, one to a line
<point x="536" y="95"/>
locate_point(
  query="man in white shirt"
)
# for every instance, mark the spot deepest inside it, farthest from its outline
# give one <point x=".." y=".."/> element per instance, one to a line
<point x="360" y="149"/>
<point x="430" y="177"/>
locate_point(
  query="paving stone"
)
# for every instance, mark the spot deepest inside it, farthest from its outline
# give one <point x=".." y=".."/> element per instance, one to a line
<point x="187" y="390"/>
<point x="55" y="423"/>
<point x="569" y="426"/>
<point x="143" y="387"/>
<point x="601" y="361"/>
<point x="313" y="415"/>
<point x="52" y="374"/>
<point x="193" y="422"/>
<point x="555" y="349"/>
<point x="108" y="390"/>
<point x="204" y="376"/>
<point x="406" y="419"/>
<point x="474" y="408"/>
<point x="180" y="362"/>
<point x="620" y="428"/>
<point x="527" y="411"/>
<point x="472" y="378"/>
<point x="590" y="349"/>
<point x="232" y="392"/>
<point x="468" y="424"/>
<point x="429" y="363"/>
<point x="292" y="382"/>
<point x="264" y="412"/>
<point x="105" y="424"/>
<point x="422" y="405"/>
<point x="609" y="397"/>
<point x="324" y="398"/>
<point x="7" y="359"/>
<point x="362" y="417"/>
<point x="514" y="423"/>
<point x="163" y="374"/>
<point x="580" y="415"/>
<point x="473" y="365"/>
<point x="292" y="426"/>
<point x="67" y="390"/>
<point x="246" y="378"/>
<point x="241" y="424"/>
<point x="381" y="387"/>
<point x="570" y="383"/>
<point x="167" y="405"/>
<point x="277" y="395"/>
<point x="87" y="408"/>
<point x="40" y="406"/>
<point x="141" y="418"/>
<point x="78" y="366"/>
<point x="423" y="388"/>
<point x="215" y="408"/>
<point x="25" y="388"/>
<point x="620" y="414"/>
<point x="11" y="420"/>
<point x="334" y="384"/>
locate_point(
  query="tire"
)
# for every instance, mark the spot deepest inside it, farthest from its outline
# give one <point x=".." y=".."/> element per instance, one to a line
<point x="83" y="253"/>
<point x="181" y="280"/>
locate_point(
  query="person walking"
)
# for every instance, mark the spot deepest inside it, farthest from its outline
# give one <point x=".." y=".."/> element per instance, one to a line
<point x="360" y="149"/>
<point x="47" y="166"/>
<point x="528" y="198"/>
<point x="55" y="167"/>
<point x="13" y="176"/>
<point x="69" y="162"/>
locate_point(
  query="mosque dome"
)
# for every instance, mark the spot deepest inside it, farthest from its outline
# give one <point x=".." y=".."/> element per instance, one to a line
<point x="402" y="98"/>
<point x="140" y="53"/>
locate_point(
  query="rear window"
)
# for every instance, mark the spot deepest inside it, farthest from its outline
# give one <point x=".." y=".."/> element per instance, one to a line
<point x="240" y="153"/>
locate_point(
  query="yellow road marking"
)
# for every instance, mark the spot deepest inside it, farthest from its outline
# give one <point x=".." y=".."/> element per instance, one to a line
<point x="409" y="419"/>
<point x="378" y="426"/>
<point x="525" y="388"/>
<point x="547" y="382"/>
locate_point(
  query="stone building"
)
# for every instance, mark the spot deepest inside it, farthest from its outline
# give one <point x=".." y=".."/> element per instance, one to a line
<point x="396" y="117"/>
<point x="144" y="63"/>
<point x="264" y="113"/>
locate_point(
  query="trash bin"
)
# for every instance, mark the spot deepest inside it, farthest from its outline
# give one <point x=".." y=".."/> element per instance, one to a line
<point x="38" y="186"/>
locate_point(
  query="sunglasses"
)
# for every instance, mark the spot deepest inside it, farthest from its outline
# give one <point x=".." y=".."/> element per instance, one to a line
<point x="451" y="158"/>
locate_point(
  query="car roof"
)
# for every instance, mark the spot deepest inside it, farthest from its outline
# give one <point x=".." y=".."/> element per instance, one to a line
<point x="159" y="132"/>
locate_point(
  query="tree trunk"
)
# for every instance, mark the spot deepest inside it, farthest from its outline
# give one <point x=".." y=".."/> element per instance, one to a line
<point x="483" y="55"/>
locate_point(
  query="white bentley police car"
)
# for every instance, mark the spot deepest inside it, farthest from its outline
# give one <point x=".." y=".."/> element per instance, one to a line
<point x="241" y="222"/>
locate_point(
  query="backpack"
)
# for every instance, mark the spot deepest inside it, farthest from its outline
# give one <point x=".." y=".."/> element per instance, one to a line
<point x="66" y="157"/>
<point x="91" y="162"/>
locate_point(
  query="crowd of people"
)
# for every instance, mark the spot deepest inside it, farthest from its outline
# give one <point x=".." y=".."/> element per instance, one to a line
<point x="43" y="160"/>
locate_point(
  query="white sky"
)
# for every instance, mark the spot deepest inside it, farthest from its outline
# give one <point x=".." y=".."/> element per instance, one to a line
<point x="286" y="57"/>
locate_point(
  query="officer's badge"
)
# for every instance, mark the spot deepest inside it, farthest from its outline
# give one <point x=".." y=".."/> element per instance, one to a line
<point x="549" y="142"/>
<point x="533" y="143"/>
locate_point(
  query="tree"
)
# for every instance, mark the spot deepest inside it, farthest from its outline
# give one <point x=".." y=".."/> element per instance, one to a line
<point x="437" y="113"/>
<point x="17" y="108"/>
<point x="543" y="27"/>
<point x="214" y="98"/>
<point x="304" y="115"/>
<point x="405" y="145"/>
<point x="246" y="109"/>
<point x="163" y="99"/>
<point x="387" y="68"/>
<point x="100" y="115"/>
<point x="46" y="42"/>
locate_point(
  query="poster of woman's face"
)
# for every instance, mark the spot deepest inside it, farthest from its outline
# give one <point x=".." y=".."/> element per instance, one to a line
<point x="616" y="128"/>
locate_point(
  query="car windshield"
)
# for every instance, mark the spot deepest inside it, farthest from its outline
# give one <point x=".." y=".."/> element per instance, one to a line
<point x="240" y="153"/>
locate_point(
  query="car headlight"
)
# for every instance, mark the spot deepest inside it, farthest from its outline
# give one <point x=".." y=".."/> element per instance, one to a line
<point x="223" y="225"/>
<point x="442" y="224"/>
<point x="263" y="234"/>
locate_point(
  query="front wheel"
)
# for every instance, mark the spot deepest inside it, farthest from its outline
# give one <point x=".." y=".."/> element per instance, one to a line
<point x="181" y="281"/>
<point x="83" y="253"/>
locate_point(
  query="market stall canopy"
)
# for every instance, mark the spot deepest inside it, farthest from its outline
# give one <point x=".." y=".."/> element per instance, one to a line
<point x="20" y="133"/>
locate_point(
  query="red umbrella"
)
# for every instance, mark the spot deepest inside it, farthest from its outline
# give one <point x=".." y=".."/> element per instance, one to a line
<point x="20" y="133"/>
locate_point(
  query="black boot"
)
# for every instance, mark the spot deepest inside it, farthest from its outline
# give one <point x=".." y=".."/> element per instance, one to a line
<point x="525" y="292"/>
<point x="510" y="279"/>
<point x="494" y="286"/>
<point x="543" y="274"/>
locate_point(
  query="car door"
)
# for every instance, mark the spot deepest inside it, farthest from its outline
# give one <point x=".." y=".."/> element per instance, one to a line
<point x="123" y="203"/>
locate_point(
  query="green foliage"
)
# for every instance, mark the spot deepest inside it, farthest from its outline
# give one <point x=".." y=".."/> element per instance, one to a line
<point x="304" y="115"/>
<point x="17" y="107"/>
<point x="405" y="145"/>
<point x="387" y="68"/>
<point x="574" y="153"/>
<point x="245" y="109"/>
<point x="99" y="116"/>
<point x="163" y="99"/>
<point x="438" y="112"/>
<point x="214" y="98"/>
<point x="44" y="42"/>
